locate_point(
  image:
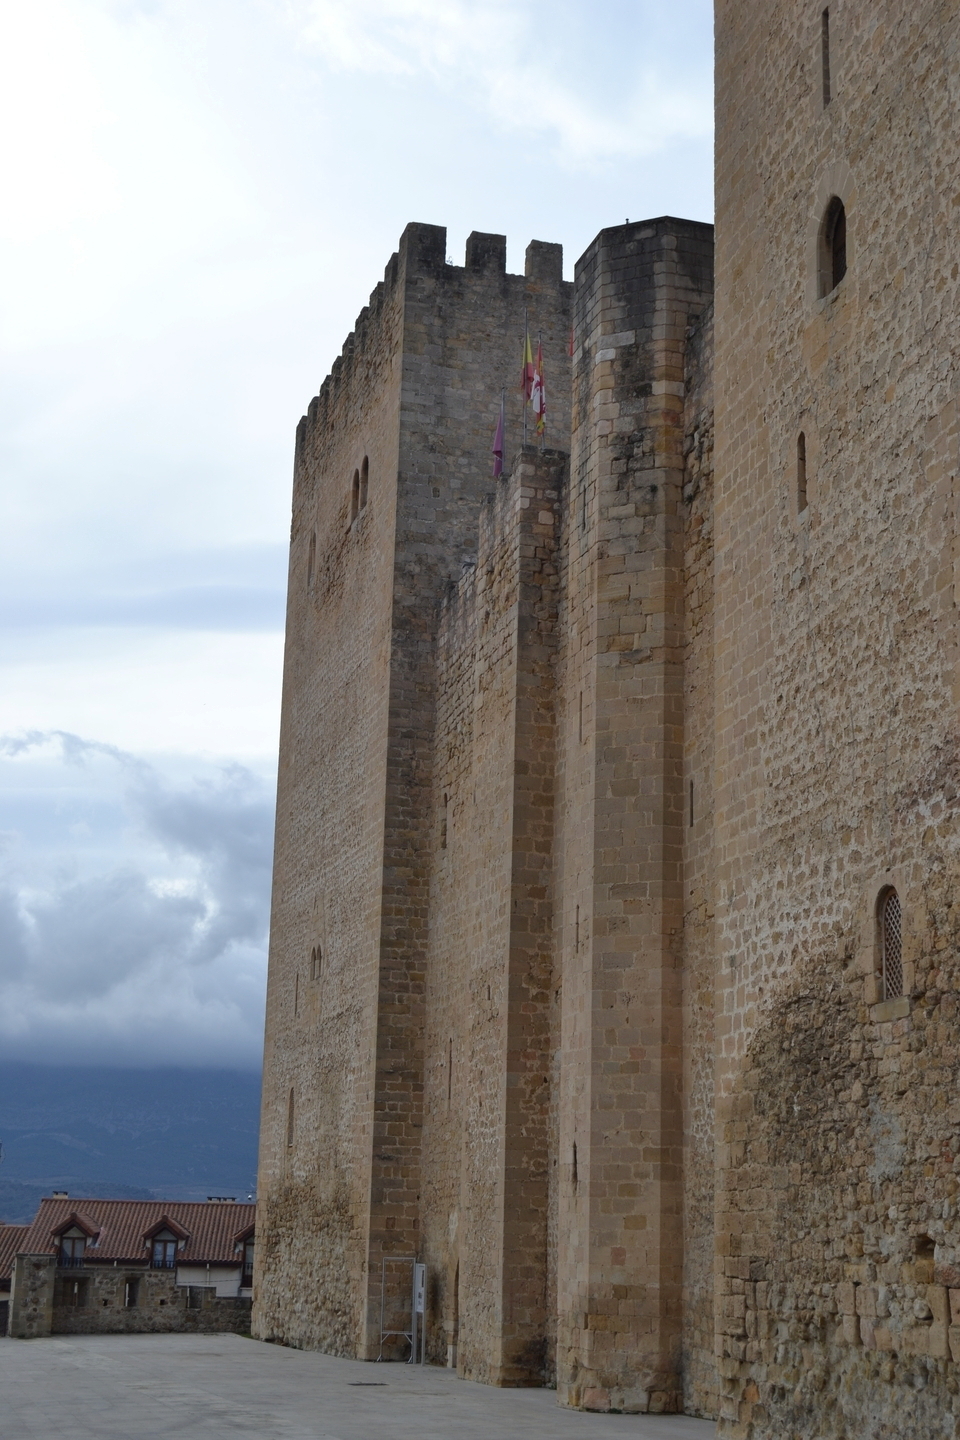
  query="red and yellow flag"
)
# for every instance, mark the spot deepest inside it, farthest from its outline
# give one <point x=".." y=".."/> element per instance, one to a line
<point x="526" y="380"/>
<point x="538" y="393"/>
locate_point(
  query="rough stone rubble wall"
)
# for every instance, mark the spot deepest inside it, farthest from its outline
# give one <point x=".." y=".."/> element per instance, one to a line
<point x="162" y="1305"/>
<point x="31" y="1296"/>
<point x="700" y="1383"/>
<point x="836" y="739"/>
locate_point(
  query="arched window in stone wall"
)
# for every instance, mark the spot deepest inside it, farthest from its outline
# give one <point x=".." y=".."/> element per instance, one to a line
<point x="364" y="482"/>
<point x="833" y="246"/>
<point x="355" y="497"/>
<point x="801" y="473"/>
<point x="890" y="930"/>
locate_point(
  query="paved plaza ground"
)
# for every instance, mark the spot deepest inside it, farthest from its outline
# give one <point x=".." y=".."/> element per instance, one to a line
<point x="155" y="1387"/>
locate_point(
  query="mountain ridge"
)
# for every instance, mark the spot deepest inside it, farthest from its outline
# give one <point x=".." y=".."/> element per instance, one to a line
<point x="168" y="1133"/>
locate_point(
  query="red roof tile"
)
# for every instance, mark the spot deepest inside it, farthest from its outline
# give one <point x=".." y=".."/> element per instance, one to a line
<point x="11" y="1243"/>
<point x="122" y="1224"/>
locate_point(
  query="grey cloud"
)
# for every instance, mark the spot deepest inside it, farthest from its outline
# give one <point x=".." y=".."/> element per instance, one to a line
<point x="146" y="942"/>
<point x="90" y="936"/>
<point x="13" y="952"/>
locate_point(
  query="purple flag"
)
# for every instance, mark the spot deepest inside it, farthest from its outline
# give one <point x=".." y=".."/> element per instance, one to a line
<point x="498" y="444"/>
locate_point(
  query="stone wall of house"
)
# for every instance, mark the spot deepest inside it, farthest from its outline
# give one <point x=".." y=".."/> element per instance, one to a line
<point x="93" y="1301"/>
<point x="836" y="729"/>
<point x="31" y="1296"/>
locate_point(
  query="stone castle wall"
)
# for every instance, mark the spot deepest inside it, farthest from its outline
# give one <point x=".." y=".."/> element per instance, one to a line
<point x="836" y="733"/>
<point x="321" y="1020"/>
<point x="620" y="811"/>
<point x="490" y="1002"/>
<point x="416" y="392"/>
<point x="463" y="329"/>
<point x="527" y="1016"/>
<point x="700" y="1395"/>
<point x="591" y="779"/>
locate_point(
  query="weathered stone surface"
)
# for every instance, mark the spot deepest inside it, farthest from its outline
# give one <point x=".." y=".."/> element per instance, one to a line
<point x="836" y="733"/>
<point x="31" y="1296"/>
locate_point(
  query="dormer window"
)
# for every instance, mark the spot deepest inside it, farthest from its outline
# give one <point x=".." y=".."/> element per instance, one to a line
<point x="73" y="1243"/>
<point x="164" y="1250"/>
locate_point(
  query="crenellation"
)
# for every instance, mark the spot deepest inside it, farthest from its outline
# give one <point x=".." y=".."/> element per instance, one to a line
<point x="486" y="252"/>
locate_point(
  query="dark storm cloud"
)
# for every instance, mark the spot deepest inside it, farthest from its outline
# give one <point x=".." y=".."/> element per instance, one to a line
<point x="137" y="934"/>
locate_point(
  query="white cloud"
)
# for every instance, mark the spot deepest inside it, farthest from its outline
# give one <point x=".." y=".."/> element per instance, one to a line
<point x="156" y="689"/>
<point x="503" y="56"/>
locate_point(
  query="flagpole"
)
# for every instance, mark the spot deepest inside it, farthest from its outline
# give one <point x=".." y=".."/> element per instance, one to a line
<point x="499" y="440"/>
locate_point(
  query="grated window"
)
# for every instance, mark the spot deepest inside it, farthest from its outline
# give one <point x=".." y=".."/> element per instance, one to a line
<point x="891" y="945"/>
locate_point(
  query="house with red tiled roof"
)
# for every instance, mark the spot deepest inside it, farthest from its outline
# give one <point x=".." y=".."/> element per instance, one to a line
<point x="11" y="1241"/>
<point x="86" y="1266"/>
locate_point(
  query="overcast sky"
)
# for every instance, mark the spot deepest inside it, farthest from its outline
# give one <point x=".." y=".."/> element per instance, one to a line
<point x="197" y="198"/>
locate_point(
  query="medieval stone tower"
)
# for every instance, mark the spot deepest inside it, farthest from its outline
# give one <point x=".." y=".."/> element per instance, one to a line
<point x="614" y="967"/>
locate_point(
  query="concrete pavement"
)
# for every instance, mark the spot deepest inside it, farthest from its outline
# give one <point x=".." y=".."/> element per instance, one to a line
<point x="159" y="1387"/>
